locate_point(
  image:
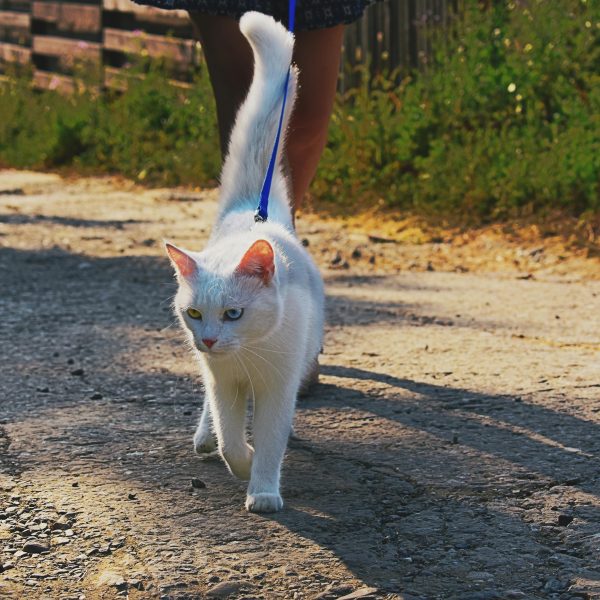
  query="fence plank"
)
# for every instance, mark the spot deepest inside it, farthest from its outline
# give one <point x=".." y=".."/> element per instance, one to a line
<point x="54" y="81"/>
<point x="15" y="5"/>
<point x="63" y="47"/>
<point x="17" y="20"/>
<point x="76" y="18"/>
<point x="118" y="79"/>
<point x="168" y="18"/>
<point x="13" y="53"/>
<point x="180" y="51"/>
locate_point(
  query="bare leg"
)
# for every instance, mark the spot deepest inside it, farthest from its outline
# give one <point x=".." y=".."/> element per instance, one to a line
<point x="317" y="54"/>
<point x="230" y="66"/>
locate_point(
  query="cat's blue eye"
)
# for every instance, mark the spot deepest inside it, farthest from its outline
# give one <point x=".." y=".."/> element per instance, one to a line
<point x="233" y="314"/>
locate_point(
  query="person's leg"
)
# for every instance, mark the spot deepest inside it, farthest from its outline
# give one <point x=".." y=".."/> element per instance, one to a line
<point x="230" y="65"/>
<point x="317" y="54"/>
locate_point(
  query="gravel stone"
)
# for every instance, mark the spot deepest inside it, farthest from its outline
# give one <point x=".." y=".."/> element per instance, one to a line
<point x="35" y="547"/>
<point x="109" y="578"/>
<point x="564" y="520"/>
<point x="364" y="592"/>
<point x="224" y="589"/>
<point x="60" y="540"/>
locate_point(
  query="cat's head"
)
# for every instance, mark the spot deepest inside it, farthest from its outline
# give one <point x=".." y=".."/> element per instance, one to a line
<point x="226" y="305"/>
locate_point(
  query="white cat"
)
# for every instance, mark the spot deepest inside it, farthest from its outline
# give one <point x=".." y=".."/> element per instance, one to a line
<point x="252" y="300"/>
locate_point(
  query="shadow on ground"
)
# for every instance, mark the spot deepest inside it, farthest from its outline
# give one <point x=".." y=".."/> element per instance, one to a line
<point x="414" y="487"/>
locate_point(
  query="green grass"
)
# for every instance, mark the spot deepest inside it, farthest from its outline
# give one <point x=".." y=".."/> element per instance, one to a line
<point x="504" y="122"/>
<point x="155" y="132"/>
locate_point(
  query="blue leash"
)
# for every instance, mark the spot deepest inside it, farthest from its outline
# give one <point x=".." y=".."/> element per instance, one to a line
<point x="262" y="213"/>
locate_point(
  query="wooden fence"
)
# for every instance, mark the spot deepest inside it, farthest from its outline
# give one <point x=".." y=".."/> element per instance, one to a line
<point x="54" y="36"/>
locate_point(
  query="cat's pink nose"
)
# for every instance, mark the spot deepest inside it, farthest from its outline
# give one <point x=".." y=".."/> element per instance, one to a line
<point x="208" y="342"/>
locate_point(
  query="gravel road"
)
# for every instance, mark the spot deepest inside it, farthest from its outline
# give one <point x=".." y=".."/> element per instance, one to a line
<point x="450" y="450"/>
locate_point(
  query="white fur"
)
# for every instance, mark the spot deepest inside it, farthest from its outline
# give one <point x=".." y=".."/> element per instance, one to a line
<point x="265" y="355"/>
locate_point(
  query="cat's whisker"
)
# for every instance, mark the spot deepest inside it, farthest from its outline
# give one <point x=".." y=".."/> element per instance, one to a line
<point x="272" y="344"/>
<point x="267" y="361"/>
<point x="273" y="351"/>
<point x="249" y="378"/>
<point x="237" y="391"/>
<point x="172" y="325"/>
<point x="257" y="369"/>
<point x="167" y="301"/>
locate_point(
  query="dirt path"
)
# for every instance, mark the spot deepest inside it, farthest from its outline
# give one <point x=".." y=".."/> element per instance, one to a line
<point x="450" y="450"/>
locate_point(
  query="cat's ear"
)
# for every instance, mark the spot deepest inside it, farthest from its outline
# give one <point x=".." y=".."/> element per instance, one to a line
<point x="259" y="261"/>
<point x="184" y="265"/>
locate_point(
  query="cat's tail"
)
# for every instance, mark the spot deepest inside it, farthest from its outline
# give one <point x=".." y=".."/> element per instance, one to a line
<point x="253" y="135"/>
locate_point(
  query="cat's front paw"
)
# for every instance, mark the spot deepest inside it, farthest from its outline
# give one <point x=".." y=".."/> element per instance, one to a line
<point x="264" y="503"/>
<point x="205" y="442"/>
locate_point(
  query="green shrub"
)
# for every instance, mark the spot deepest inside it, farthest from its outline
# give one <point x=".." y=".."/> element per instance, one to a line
<point x="157" y="132"/>
<point x="505" y="120"/>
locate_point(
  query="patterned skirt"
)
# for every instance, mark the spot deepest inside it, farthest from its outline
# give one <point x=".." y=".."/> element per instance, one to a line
<point x="310" y="14"/>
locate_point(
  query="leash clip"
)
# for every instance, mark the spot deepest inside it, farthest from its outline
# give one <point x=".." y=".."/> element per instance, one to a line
<point x="259" y="217"/>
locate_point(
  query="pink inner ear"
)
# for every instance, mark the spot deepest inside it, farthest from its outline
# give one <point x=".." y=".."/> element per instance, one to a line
<point x="259" y="261"/>
<point x="183" y="263"/>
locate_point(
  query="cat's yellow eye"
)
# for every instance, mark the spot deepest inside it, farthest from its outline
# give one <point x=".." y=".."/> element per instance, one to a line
<point x="193" y="313"/>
